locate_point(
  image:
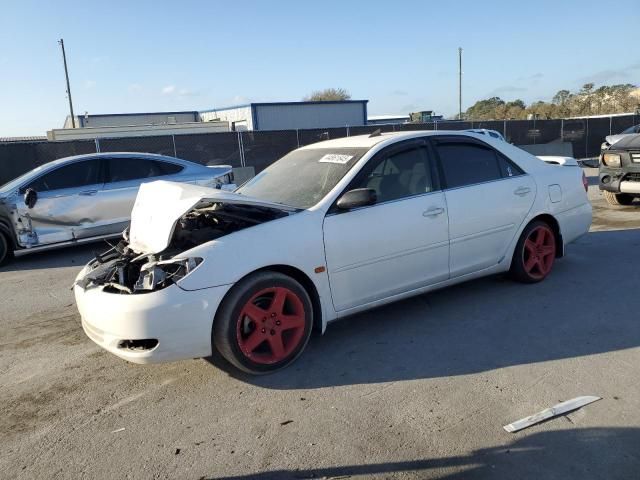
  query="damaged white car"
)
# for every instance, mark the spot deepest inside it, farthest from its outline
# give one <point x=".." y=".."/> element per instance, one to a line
<point x="329" y="230"/>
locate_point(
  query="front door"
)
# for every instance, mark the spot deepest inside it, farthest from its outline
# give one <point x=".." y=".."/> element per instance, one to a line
<point x="396" y="245"/>
<point x="67" y="203"/>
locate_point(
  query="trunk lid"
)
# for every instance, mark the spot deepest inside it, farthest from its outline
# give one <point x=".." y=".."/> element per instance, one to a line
<point x="558" y="160"/>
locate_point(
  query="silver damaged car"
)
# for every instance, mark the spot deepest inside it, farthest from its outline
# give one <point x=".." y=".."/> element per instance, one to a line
<point x="87" y="197"/>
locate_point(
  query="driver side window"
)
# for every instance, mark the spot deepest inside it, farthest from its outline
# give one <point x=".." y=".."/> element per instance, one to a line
<point x="76" y="175"/>
<point x="400" y="175"/>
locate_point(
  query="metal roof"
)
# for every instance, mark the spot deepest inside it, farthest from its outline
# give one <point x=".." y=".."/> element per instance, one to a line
<point x="22" y="139"/>
<point x="259" y="104"/>
<point x="191" y="112"/>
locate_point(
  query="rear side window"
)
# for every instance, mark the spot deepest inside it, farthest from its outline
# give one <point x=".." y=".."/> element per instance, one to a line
<point x="124" y="169"/>
<point x="78" y="174"/>
<point x="168" y="168"/>
<point x="468" y="164"/>
<point x="507" y="168"/>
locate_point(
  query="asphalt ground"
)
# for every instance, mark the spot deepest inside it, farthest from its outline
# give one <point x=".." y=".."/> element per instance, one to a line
<point x="416" y="389"/>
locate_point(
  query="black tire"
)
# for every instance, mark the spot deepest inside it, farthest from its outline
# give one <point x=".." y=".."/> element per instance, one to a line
<point x="618" y="198"/>
<point x="5" y="249"/>
<point x="230" y="324"/>
<point x="543" y="258"/>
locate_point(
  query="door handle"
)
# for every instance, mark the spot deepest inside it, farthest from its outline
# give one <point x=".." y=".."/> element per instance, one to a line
<point x="521" y="191"/>
<point x="433" y="212"/>
<point x="88" y="193"/>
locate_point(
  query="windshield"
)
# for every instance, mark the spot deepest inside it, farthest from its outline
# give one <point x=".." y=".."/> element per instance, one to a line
<point x="634" y="129"/>
<point x="303" y="177"/>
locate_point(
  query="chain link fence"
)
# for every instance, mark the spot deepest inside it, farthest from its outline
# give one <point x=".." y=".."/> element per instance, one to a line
<point x="259" y="149"/>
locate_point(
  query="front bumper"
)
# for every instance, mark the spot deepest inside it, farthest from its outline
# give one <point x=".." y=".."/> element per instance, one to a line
<point x="624" y="179"/>
<point x="179" y="320"/>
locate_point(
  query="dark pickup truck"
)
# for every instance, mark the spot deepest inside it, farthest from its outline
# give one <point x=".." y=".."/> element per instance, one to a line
<point x="620" y="171"/>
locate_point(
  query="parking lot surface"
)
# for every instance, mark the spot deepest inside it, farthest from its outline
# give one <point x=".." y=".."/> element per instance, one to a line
<point x="416" y="389"/>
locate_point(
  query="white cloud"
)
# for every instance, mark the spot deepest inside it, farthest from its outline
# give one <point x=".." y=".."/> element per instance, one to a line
<point x="169" y="89"/>
<point x="185" y="92"/>
<point x="89" y="84"/>
<point x="240" y="100"/>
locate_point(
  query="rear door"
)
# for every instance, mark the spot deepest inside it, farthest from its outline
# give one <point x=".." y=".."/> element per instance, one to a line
<point x="124" y="175"/>
<point x="487" y="196"/>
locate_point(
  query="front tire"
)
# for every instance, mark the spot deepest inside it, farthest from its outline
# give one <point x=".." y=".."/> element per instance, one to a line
<point x="618" y="198"/>
<point x="535" y="253"/>
<point x="264" y="323"/>
<point x="5" y="249"/>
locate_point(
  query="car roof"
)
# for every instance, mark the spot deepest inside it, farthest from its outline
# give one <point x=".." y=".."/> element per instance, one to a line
<point x="367" y="141"/>
<point x="151" y="156"/>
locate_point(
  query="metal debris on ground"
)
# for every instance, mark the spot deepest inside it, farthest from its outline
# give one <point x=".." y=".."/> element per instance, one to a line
<point x="559" y="409"/>
<point x="119" y="430"/>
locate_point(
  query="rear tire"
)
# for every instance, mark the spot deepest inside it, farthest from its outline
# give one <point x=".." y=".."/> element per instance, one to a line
<point x="264" y="323"/>
<point x="535" y="253"/>
<point x="618" y="198"/>
<point x="5" y="249"/>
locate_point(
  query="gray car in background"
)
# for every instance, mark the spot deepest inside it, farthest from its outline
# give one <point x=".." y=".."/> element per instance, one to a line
<point x="87" y="197"/>
<point x="611" y="139"/>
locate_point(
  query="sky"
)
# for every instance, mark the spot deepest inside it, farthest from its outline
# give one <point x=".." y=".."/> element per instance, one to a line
<point x="144" y="56"/>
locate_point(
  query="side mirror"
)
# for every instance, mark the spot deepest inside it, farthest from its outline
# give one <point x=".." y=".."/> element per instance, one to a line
<point x="359" y="197"/>
<point x="30" y="197"/>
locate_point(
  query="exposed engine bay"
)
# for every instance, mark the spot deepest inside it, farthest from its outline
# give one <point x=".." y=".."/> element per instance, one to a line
<point x="123" y="270"/>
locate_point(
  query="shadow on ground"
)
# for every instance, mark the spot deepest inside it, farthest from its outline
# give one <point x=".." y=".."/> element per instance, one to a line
<point x="482" y="325"/>
<point x="538" y="456"/>
<point x="65" y="257"/>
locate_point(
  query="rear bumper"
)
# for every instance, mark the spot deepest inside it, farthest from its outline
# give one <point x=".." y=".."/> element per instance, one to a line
<point x="179" y="320"/>
<point x="575" y="222"/>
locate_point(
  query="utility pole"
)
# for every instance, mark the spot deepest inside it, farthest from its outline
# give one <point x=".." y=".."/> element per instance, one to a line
<point x="66" y="74"/>
<point x="459" y="84"/>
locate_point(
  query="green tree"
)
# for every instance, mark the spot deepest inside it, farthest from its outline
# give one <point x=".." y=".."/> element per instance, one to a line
<point x="327" y="95"/>
<point x="484" y="109"/>
<point x="586" y="100"/>
<point x="517" y="104"/>
<point x="562" y="100"/>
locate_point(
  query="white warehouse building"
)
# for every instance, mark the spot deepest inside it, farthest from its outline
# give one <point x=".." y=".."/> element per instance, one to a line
<point x="290" y="115"/>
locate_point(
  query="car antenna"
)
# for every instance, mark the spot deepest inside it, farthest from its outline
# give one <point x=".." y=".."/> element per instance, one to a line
<point x="376" y="133"/>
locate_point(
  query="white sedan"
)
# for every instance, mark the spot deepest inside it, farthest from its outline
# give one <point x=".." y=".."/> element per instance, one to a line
<point x="329" y="230"/>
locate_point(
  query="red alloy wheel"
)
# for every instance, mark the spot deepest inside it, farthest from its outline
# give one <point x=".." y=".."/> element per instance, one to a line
<point x="271" y="325"/>
<point x="539" y="252"/>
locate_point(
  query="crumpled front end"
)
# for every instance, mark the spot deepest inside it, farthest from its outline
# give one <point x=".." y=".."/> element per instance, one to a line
<point x="167" y="221"/>
<point x="130" y="298"/>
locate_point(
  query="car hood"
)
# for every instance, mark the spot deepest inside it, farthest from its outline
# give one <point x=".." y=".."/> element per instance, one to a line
<point x="159" y="205"/>
<point x="611" y="139"/>
<point x="629" y="140"/>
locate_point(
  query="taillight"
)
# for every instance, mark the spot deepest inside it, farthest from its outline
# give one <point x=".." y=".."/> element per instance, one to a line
<point x="585" y="182"/>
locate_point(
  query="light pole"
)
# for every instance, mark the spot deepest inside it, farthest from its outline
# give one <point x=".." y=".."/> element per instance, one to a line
<point x="66" y="74"/>
<point x="460" y="83"/>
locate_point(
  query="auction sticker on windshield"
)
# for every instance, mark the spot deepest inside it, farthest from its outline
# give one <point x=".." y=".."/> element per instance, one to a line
<point x="335" y="158"/>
